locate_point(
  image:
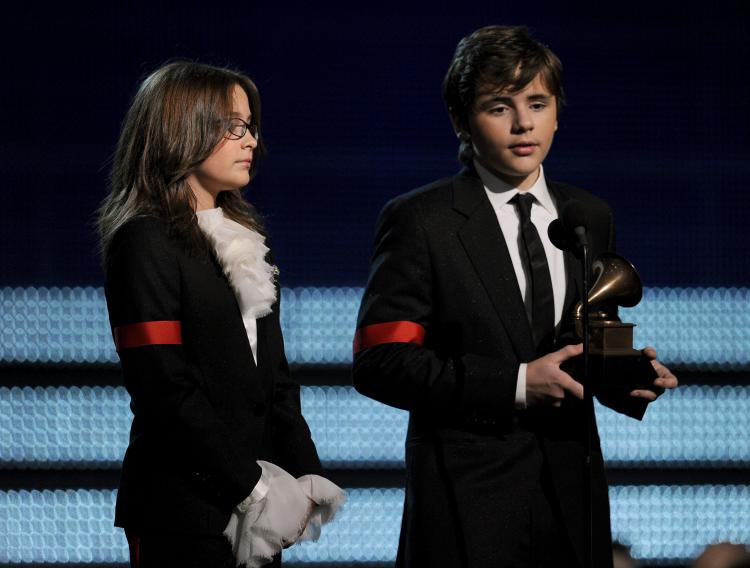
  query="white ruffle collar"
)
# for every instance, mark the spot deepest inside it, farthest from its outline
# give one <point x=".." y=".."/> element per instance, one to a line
<point x="242" y="254"/>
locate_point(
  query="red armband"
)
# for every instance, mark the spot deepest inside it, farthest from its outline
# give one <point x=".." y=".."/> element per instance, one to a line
<point x="389" y="332"/>
<point x="147" y="333"/>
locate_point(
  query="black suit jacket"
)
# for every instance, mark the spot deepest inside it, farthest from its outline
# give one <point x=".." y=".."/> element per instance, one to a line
<point x="203" y="411"/>
<point x="442" y="330"/>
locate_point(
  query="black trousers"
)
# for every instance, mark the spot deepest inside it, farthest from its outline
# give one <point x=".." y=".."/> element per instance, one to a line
<point x="152" y="550"/>
<point x="545" y="543"/>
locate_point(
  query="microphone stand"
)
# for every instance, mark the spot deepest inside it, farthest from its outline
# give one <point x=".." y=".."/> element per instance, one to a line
<point x="559" y="231"/>
<point x="588" y="403"/>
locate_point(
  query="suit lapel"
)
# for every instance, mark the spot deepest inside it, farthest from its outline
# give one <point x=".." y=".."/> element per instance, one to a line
<point x="256" y="381"/>
<point x="485" y="246"/>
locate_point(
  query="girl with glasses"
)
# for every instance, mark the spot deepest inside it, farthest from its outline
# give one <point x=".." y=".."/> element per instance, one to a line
<point x="221" y="468"/>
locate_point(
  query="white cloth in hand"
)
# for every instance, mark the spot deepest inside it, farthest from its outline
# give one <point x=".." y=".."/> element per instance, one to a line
<point x="327" y="498"/>
<point x="273" y="523"/>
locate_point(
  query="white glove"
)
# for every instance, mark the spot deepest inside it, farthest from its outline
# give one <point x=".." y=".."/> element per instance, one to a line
<point x="272" y="523"/>
<point x="327" y="498"/>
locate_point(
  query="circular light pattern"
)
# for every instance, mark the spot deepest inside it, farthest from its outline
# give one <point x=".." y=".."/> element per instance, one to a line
<point x="675" y="523"/>
<point x="87" y="427"/>
<point x="664" y="524"/>
<point x="699" y="328"/>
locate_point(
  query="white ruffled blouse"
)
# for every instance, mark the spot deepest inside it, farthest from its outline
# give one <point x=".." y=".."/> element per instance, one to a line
<point x="242" y="255"/>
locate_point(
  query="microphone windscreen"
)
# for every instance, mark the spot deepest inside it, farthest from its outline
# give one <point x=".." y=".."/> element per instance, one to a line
<point x="574" y="216"/>
<point x="559" y="236"/>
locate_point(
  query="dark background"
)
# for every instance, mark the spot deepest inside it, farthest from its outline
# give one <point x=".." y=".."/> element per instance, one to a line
<point x="657" y="123"/>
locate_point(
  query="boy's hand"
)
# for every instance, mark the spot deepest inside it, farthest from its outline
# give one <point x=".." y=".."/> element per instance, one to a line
<point x="665" y="380"/>
<point x="546" y="383"/>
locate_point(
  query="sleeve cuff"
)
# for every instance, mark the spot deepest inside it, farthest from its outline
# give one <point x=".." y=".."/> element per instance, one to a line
<point x="520" y="402"/>
<point x="258" y="493"/>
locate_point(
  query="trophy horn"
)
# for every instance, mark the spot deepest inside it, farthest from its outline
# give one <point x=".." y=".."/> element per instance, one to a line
<point x="616" y="281"/>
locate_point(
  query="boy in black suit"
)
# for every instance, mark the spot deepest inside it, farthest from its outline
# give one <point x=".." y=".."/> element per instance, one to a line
<point x="465" y="322"/>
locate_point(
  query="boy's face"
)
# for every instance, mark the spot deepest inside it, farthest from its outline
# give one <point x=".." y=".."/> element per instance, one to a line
<point x="512" y="132"/>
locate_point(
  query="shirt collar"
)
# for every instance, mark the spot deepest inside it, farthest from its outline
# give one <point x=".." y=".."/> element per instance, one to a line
<point x="502" y="192"/>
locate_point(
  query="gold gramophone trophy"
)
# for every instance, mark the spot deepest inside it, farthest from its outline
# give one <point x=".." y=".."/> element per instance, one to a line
<point x="615" y="368"/>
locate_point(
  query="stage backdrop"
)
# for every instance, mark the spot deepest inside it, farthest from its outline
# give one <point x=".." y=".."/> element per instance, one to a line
<point x="656" y="123"/>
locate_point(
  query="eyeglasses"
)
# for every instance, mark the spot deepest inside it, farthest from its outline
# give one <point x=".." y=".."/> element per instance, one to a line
<point x="236" y="128"/>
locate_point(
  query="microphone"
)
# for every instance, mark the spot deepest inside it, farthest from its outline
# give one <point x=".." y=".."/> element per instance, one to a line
<point x="560" y="237"/>
<point x="571" y="230"/>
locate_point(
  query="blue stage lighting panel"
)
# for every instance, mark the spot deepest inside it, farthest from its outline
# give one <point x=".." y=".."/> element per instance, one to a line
<point x="699" y="328"/>
<point x="675" y="523"/>
<point x="87" y="427"/>
<point x="663" y="524"/>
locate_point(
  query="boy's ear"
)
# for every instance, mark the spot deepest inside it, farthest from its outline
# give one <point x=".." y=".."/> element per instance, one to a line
<point x="459" y="126"/>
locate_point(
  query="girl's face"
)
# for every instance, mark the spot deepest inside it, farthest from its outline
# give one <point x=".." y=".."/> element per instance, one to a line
<point x="228" y="166"/>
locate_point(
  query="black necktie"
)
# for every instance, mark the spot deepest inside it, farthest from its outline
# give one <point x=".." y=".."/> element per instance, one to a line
<point x="540" y="302"/>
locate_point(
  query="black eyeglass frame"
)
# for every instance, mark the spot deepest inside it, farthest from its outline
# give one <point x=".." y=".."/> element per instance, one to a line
<point x="236" y="129"/>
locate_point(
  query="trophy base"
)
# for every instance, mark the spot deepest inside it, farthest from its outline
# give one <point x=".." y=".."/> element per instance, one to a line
<point x="614" y="373"/>
<point x="615" y="368"/>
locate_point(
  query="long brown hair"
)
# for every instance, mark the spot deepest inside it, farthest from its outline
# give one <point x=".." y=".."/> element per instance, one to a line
<point x="175" y="121"/>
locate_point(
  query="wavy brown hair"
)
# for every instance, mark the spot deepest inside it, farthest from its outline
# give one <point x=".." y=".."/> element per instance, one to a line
<point x="175" y="121"/>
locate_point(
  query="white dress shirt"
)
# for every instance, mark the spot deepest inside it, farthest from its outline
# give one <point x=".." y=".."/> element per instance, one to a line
<point x="543" y="212"/>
